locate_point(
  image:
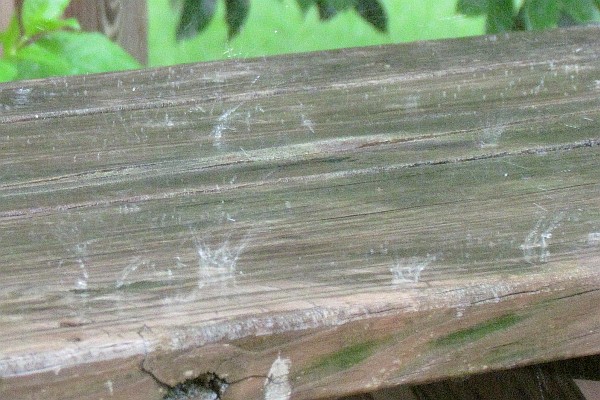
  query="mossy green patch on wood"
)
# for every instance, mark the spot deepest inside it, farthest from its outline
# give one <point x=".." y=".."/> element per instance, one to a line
<point x="144" y="285"/>
<point x="479" y="331"/>
<point x="345" y="358"/>
<point x="261" y="343"/>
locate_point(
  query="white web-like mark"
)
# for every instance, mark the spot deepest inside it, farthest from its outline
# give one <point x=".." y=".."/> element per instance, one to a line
<point x="307" y="123"/>
<point x="409" y="269"/>
<point x="71" y="237"/>
<point x="217" y="264"/>
<point x="223" y="124"/>
<point x="130" y="268"/>
<point x="81" y="252"/>
<point x="535" y="247"/>
<point x="593" y="239"/>
<point x="490" y="135"/>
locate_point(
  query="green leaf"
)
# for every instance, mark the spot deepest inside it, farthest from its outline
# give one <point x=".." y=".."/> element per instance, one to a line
<point x="8" y="71"/>
<point x="10" y="37"/>
<point x="236" y="13"/>
<point x="54" y="25"/>
<point x="326" y="10"/>
<point x="37" y="61"/>
<point x="341" y="5"/>
<point x="69" y="53"/>
<point x="472" y="8"/>
<point x="195" y="16"/>
<point x="39" y="16"/>
<point x="539" y="14"/>
<point x="500" y="16"/>
<point x="581" y="10"/>
<point x="305" y="5"/>
<point x="372" y="12"/>
<point x="88" y="52"/>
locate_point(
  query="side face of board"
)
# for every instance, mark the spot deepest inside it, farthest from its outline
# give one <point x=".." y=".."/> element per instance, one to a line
<point x="303" y="226"/>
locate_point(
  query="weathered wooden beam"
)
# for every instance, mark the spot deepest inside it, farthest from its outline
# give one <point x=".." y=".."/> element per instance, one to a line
<point x="303" y="226"/>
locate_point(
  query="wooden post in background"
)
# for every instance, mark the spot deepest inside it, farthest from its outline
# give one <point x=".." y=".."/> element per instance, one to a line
<point x="6" y="10"/>
<point x="124" y="21"/>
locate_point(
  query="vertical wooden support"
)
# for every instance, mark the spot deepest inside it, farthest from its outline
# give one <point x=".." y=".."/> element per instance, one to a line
<point x="124" y="21"/>
<point x="6" y="10"/>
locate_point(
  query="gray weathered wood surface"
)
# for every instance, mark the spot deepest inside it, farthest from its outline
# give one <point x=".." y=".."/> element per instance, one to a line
<point x="303" y="226"/>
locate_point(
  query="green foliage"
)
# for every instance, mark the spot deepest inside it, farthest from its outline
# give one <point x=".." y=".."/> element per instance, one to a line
<point x="197" y="14"/>
<point x="8" y="71"/>
<point x="502" y="15"/>
<point x="372" y="12"/>
<point x="286" y="26"/>
<point x="41" y="43"/>
<point x="474" y="333"/>
<point x="472" y="8"/>
<point x="345" y="358"/>
<point x="499" y="16"/>
<point x="236" y="13"/>
<point x="40" y="16"/>
<point x="540" y="14"/>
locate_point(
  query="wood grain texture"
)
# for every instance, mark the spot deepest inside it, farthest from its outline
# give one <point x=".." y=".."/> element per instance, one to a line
<point x="304" y="226"/>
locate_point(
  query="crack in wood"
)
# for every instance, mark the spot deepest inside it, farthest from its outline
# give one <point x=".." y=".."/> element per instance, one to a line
<point x="503" y="296"/>
<point x="323" y="176"/>
<point x="576" y="294"/>
<point x="205" y="386"/>
<point x="208" y="385"/>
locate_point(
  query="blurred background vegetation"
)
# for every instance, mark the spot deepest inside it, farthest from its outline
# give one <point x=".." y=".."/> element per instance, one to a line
<point x="200" y="30"/>
<point x="281" y="26"/>
<point x="41" y="43"/>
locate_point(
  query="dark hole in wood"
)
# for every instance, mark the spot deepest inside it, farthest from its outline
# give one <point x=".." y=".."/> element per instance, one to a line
<point x="206" y="386"/>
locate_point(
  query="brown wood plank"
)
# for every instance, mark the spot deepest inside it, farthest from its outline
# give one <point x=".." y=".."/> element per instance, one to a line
<point x="304" y="226"/>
